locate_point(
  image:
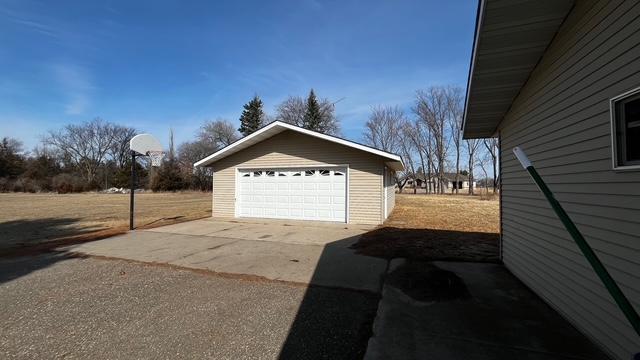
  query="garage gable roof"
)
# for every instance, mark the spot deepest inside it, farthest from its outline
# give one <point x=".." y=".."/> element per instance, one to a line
<point x="392" y="160"/>
<point x="510" y="39"/>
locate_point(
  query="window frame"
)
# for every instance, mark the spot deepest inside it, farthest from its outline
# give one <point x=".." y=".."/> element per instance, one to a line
<point x="614" y="104"/>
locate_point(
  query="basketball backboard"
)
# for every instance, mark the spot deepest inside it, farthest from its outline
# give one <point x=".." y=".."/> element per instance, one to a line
<point x="144" y="144"/>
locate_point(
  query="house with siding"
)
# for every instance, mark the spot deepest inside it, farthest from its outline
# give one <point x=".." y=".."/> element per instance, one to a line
<point x="561" y="80"/>
<point x="450" y="182"/>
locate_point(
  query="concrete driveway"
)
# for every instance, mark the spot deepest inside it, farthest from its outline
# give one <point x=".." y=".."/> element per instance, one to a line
<point x="299" y="252"/>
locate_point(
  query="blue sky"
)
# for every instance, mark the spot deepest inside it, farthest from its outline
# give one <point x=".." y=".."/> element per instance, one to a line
<point x="160" y="64"/>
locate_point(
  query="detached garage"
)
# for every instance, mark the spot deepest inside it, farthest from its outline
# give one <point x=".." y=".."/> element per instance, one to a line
<point x="286" y="172"/>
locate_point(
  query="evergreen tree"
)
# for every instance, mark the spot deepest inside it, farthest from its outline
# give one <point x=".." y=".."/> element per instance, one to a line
<point x="252" y="116"/>
<point x="313" y="115"/>
<point x="11" y="159"/>
<point x="168" y="176"/>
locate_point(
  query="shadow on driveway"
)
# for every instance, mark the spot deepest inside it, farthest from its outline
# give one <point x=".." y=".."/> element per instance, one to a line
<point x="473" y="309"/>
<point x="23" y="233"/>
<point x="332" y="323"/>
<point x="337" y="323"/>
<point x="20" y="239"/>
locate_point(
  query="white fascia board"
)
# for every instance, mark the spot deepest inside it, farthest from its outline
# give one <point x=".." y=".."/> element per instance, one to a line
<point x="219" y="154"/>
<point x="472" y="65"/>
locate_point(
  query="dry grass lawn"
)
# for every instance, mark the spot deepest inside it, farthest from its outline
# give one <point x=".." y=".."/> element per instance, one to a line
<point x="445" y="212"/>
<point x="437" y="227"/>
<point x="28" y="219"/>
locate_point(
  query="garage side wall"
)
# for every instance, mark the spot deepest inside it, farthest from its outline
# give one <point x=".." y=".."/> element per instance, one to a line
<point x="291" y="149"/>
<point x="389" y="191"/>
<point x="561" y="119"/>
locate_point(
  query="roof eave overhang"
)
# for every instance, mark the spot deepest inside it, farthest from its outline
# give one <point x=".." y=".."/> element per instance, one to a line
<point x="510" y="38"/>
<point x="393" y="161"/>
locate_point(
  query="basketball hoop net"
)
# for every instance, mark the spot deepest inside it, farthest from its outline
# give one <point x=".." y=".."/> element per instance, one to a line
<point x="156" y="157"/>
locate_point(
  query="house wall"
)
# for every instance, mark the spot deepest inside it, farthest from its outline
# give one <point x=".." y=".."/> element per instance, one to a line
<point x="561" y="119"/>
<point x="291" y="149"/>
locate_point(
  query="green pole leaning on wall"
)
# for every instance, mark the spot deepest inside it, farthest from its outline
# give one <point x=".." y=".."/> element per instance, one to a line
<point x="588" y="252"/>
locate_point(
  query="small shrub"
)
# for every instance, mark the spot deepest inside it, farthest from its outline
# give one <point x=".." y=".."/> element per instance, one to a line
<point x="488" y="194"/>
<point x="25" y="185"/>
<point x="6" y="185"/>
<point x="67" y="183"/>
<point x="44" y="184"/>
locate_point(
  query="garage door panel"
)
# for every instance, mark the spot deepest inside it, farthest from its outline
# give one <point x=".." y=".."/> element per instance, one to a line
<point x="324" y="200"/>
<point x="310" y="194"/>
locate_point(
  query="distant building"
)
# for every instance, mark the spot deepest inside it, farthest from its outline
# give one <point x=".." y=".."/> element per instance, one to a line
<point x="419" y="181"/>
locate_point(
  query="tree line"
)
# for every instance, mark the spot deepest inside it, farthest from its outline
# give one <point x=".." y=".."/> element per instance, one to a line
<point x="430" y="141"/>
<point x="95" y="155"/>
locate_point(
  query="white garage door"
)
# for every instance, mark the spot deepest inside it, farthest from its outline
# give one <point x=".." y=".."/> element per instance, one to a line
<point x="304" y="194"/>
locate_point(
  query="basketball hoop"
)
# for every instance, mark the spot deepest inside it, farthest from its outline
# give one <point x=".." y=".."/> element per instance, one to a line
<point x="156" y="157"/>
<point x="142" y="145"/>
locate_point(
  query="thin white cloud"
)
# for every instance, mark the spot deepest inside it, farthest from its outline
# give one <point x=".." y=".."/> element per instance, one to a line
<point x="30" y="22"/>
<point x="77" y="105"/>
<point x="75" y="85"/>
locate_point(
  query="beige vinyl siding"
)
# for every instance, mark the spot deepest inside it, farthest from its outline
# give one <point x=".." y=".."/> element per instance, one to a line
<point x="291" y="149"/>
<point x="561" y="119"/>
<point x="389" y="191"/>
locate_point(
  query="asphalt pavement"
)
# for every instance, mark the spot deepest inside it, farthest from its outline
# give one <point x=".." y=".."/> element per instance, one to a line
<point x="56" y="306"/>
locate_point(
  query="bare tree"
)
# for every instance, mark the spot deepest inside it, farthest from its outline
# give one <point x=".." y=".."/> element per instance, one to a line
<point x="472" y="147"/>
<point x="217" y="134"/>
<point x="407" y="150"/>
<point x="188" y="153"/>
<point x="293" y="109"/>
<point x="85" y="145"/>
<point x="491" y="144"/>
<point x="212" y="136"/>
<point x="384" y="130"/>
<point x="417" y="134"/>
<point x="119" y="151"/>
<point x="433" y="110"/>
<point x="454" y="103"/>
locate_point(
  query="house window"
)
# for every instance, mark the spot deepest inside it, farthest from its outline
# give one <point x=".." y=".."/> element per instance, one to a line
<point x="282" y="173"/>
<point x="626" y="129"/>
<point x="338" y="173"/>
<point x="270" y="173"/>
<point x="257" y="173"/>
<point x="296" y="174"/>
<point x="246" y="175"/>
<point x="309" y="172"/>
<point x="325" y="172"/>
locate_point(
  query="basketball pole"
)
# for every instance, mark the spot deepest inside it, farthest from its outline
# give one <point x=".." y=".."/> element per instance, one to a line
<point x="133" y="182"/>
